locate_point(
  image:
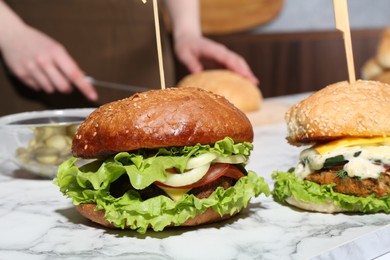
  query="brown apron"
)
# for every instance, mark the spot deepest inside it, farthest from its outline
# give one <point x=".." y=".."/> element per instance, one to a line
<point x="112" y="40"/>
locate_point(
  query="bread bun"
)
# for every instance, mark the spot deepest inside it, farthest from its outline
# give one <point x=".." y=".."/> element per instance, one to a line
<point x="209" y="216"/>
<point x="371" y="69"/>
<point x="341" y="110"/>
<point x="380" y="64"/>
<point x="329" y="207"/>
<point x="235" y="88"/>
<point x="160" y="118"/>
<point x="384" y="77"/>
<point x="383" y="52"/>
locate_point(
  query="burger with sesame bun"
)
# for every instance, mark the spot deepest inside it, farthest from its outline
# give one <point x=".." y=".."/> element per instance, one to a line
<point x="172" y="157"/>
<point x="347" y="167"/>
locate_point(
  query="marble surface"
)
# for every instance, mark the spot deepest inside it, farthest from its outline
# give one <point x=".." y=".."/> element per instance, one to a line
<point x="37" y="222"/>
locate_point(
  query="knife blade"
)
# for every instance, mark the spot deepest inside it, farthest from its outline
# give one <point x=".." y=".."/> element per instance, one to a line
<point x="113" y="85"/>
<point x="49" y="120"/>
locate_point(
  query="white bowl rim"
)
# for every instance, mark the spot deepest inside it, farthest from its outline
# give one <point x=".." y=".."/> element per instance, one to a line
<point x="7" y="120"/>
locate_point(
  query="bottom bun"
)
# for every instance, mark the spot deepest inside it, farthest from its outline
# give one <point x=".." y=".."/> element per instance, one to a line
<point x="209" y="216"/>
<point x="311" y="196"/>
<point x="329" y="207"/>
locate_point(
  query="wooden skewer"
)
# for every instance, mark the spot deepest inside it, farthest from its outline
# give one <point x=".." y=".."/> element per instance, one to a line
<point x="158" y="40"/>
<point x="342" y="24"/>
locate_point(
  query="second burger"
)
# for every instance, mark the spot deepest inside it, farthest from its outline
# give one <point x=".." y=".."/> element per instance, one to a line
<point x="347" y="167"/>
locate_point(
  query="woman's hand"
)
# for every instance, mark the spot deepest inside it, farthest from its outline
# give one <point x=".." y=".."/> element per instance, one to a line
<point x="192" y="50"/>
<point x="37" y="60"/>
<point x="42" y="63"/>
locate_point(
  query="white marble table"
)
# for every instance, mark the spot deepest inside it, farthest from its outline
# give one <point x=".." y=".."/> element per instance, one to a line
<point x="37" y="222"/>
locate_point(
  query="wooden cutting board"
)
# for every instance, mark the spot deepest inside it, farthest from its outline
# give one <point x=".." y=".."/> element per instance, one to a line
<point x="228" y="16"/>
<point x="231" y="16"/>
<point x="270" y="112"/>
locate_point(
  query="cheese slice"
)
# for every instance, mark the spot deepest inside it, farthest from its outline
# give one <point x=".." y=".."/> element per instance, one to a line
<point x="173" y="193"/>
<point x="350" y="141"/>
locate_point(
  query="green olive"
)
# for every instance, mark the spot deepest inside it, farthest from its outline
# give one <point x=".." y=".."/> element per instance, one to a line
<point x="71" y="130"/>
<point x="46" y="155"/>
<point x="50" y="145"/>
<point x="57" y="141"/>
<point x="22" y="155"/>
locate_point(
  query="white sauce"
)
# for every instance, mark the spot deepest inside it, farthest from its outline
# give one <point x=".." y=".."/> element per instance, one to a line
<point x="357" y="166"/>
<point x="362" y="166"/>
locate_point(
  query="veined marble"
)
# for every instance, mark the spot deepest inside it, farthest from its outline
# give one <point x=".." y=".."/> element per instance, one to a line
<point x="38" y="222"/>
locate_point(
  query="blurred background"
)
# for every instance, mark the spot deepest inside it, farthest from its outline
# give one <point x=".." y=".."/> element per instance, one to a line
<point x="291" y="45"/>
<point x="317" y="15"/>
<point x="298" y="48"/>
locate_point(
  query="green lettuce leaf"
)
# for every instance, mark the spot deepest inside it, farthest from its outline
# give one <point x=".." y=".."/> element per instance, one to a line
<point x="91" y="184"/>
<point x="286" y="185"/>
<point x="146" y="167"/>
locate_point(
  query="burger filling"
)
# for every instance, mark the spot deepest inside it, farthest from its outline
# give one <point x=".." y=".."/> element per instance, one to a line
<point x="157" y="188"/>
<point x="218" y="175"/>
<point x="351" y="173"/>
<point x="361" y="169"/>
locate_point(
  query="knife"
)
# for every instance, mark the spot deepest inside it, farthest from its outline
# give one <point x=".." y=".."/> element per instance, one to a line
<point x="112" y="85"/>
<point x="49" y="120"/>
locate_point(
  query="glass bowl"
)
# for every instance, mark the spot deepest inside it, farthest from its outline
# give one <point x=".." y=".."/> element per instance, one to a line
<point x="40" y="141"/>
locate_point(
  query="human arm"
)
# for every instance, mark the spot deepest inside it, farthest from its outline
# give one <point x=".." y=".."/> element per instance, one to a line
<point x="191" y="46"/>
<point x="37" y="60"/>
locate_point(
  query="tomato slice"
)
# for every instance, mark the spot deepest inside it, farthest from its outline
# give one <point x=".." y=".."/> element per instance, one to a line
<point x="216" y="171"/>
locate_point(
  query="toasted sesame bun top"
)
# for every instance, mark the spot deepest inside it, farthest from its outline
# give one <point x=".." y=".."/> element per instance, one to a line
<point x="238" y="90"/>
<point x="361" y="109"/>
<point x="160" y="118"/>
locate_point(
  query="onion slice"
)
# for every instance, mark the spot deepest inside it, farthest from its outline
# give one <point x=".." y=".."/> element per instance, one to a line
<point x="233" y="159"/>
<point x="216" y="171"/>
<point x="200" y="160"/>
<point x="188" y="177"/>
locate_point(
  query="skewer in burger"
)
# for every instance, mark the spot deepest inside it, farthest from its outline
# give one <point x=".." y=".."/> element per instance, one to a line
<point x="172" y="157"/>
<point x="347" y="168"/>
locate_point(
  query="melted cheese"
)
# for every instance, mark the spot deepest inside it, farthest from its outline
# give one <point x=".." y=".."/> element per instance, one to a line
<point x="173" y="193"/>
<point x="350" y="141"/>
